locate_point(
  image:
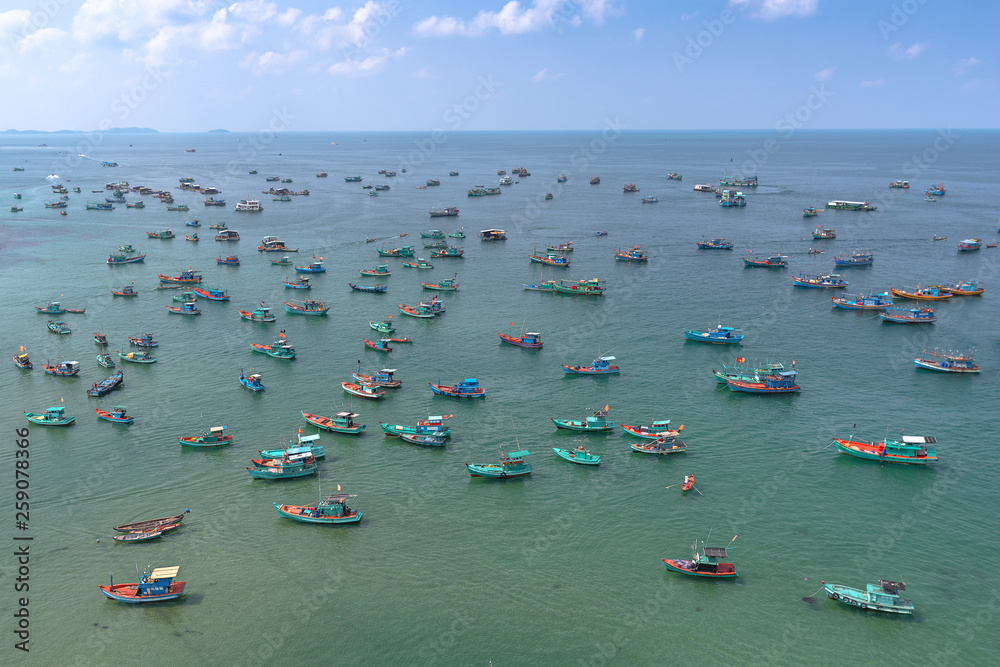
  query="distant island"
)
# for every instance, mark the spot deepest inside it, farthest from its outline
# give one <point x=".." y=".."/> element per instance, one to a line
<point x="110" y="130"/>
<point x="222" y="131"/>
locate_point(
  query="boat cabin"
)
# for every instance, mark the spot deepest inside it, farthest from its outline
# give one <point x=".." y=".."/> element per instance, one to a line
<point x="157" y="582"/>
<point x="342" y="418"/>
<point x="493" y="235"/>
<point x="707" y="563"/>
<point x="603" y="363"/>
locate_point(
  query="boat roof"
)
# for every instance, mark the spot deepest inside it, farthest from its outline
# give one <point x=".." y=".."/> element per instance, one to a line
<point x="338" y="498"/>
<point x="518" y="455"/>
<point x="661" y="422"/>
<point x="342" y="413"/>
<point x="216" y="429"/>
<point x="607" y="358"/>
<point x="55" y="409"/>
<point x="164" y="572"/>
<point x="716" y="552"/>
<point x="120" y="408"/>
<point x="314" y="437"/>
<point x="919" y="440"/>
<point x="388" y="370"/>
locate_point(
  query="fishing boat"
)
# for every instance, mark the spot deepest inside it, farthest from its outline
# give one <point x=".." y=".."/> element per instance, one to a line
<point x="718" y="335"/>
<point x="820" y="282"/>
<point x="300" y="282"/>
<point x="547" y="286"/>
<point x="531" y="340"/>
<point x="332" y="509"/>
<point x="231" y="260"/>
<point x="444" y="285"/>
<point x="144" y="339"/>
<point x="658" y="429"/>
<point x="704" y="564"/>
<point x="810" y="212"/>
<point x="884" y="597"/>
<point x="418" y="311"/>
<point x="260" y="314"/>
<point x="963" y="288"/>
<point x="304" y="445"/>
<point x="316" y="266"/>
<point x="165" y="234"/>
<point x="352" y="179"/>
<point x="774" y="261"/>
<point x="380" y="270"/>
<point x="842" y="205"/>
<point x="714" y="244"/>
<point x="595" y="180"/>
<point x="58" y="327"/>
<point x="279" y="349"/>
<point x="307" y="307"/>
<point x="731" y="198"/>
<point x="968" y="245"/>
<point x="106" y="360"/>
<point x="211" y="293"/>
<point x="62" y="368"/>
<point x="905" y="185"/>
<point x="630" y="187"/>
<point x="156" y="586"/>
<point x="432" y="234"/>
<point x="601" y="366"/>
<point x="633" y="254"/>
<point x="146" y="535"/>
<point x="51" y="308"/>
<point x="857" y="259"/>
<point x="460" y="234"/>
<point x="908" y="315"/>
<point x="252" y="382"/>
<point x="215" y="436"/>
<point x="382" y="327"/>
<point x="137" y="357"/>
<point x="341" y="422"/>
<point x="493" y="235"/>
<point x="192" y="237"/>
<point x="591" y="287"/>
<point x="107" y="385"/>
<point x="56" y="204"/>
<point x="936" y="190"/>
<point x="423" y="440"/>
<point x="22" y="361"/>
<point x="274" y="244"/>
<point x="448" y="251"/>
<point x="581" y="455"/>
<point x="284" y="467"/>
<point x="947" y="362"/>
<point x="420" y="263"/>
<point x="185" y="277"/>
<point x="660" y="446"/>
<point x="362" y="389"/>
<point x="688" y="483"/>
<point x="284" y="261"/>
<point x="251" y="205"/>
<point x="193" y="223"/>
<point x="870" y="301"/>
<point x="597" y="422"/>
<point x="126" y="254"/>
<point x="909" y="449"/>
<point x="931" y="293"/>
<point x="560" y="247"/>
<point x="432" y="426"/>
<point x="185" y="308"/>
<point x="822" y="232"/>
<point x="127" y="290"/>
<point x="381" y="378"/>
<point x="228" y="235"/>
<point x="405" y="251"/>
<point x="178" y="207"/>
<point x="467" y="388"/>
<point x="377" y="289"/>
<point x="16" y="209"/>
<point x="382" y="345"/>
<point x="511" y="464"/>
<point x="218" y="226"/>
<point x="778" y="382"/>
<point x="116" y="415"/>
<point x="55" y="416"/>
<point x="103" y="206"/>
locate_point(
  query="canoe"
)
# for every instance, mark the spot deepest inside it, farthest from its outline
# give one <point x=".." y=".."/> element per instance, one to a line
<point x="149" y="523"/>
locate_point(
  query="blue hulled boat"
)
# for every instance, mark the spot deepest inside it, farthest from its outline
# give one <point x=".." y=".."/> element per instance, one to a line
<point x="720" y="335"/>
<point x="823" y="281"/>
<point x="857" y="259"/>
<point x="468" y="388"/>
<point x="601" y="366"/>
<point x="871" y="301"/>
<point x="510" y="465"/>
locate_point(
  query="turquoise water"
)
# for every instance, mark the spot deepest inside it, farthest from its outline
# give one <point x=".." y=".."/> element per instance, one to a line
<point x="563" y="566"/>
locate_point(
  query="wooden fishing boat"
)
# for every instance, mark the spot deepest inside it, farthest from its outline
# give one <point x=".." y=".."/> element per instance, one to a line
<point x="362" y="389"/>
<point x="117" y="415"/>
<point x="600" y="366"/>
<point x="660" y="446"/>
<point x="633" y="254"/>
<point x="434" y="306"/>
<point x="22" y="361"/>
<point x="306" y="307"/>
<point x="962" y="288"/>
<point x="228" y="235"/>
<point x="938" y="237"/>
<point x="231" y="260"/>
<point x="780" y="382"/>
<point x="380" y="270"/>
<point x="211" y="293"/>
<point x="820" y="282"/>
<point x="51" y="417"/>
<point x="813" y="251"/>
<point x="185" y="277"/>
<point x="374" y="289"/>
<point x="910" y="449"/>
<point x="58" y="328"/>
<point x="719" y="335"/>
<point x="420" y="263"/>
<point x="774" y="261"/>
<point x="300" y="282"/>
<point x="252" y="382"/>
<point x="186" y="308"/>
<point x="445" y="285"/>
<point x="381" y="346"/>
<point x="405" y="251"/>
<point x="714" y="244"/>
<point x="145" y="339"/>
<point x="448" y="251"/>
<point x="822" y="232"/>
<point x="932" y="293"/>
<point x="968" y="245"/>
<point x="330" y="510"/>
<point x="416" y="311"/>
<point x="884" y="597"/>
<point x="580" y="455"/>
<point x="382" y="378"/>
<point x="433" y="425"/>
<point x="193" y="223"/>
<point x="591" y="287"/>
<point x="856" y="259"/>
<point x="704" y="564"/>
<point x="100" y="339"/>
<point x="279" y="349"/>
<point x="51" y="308"/>
<point x="259" y="314"/>
<point x="510" y="465"/>
<point x="219" y="226"/>
<point x="341" y="422"/>
<point x="304" y="445"/>
<point x="550" y="259"/>
<point x="548" y="286"/>
<point x="493" y="235"/>
<point x="688" y="483"/>
<point x="215" y="436"/>
<point x="467" y="388"/>
<point x="285" y="467"/>
<point x="947" y="362"/>
<point x="382" y="327"/>
<point x="165" y="234"/>
<point x="126" y="254"/>
<point x="423" y="440"/>
<point x="148" y="524"/>
<point x="137" y="357"/>
<point x="128" y="290"/>
<point x="656" y="430"/>
<point x="273" y="244"/>
<point x="908" y="315"/>
<point x="596" y="423"/>
<point x="531" y="340"/>
<point x="316" y="266"/>
<point x="107" y="385"/>
<point x="560" y="247"/>
<point x="870" y="301"/>
<point x="284" y="261"/>
<point x="810" y="212"/>
<point x="436" y="245"/>
<point x="192" y="237"/>
<point x="145" y="535"/>
<point x="156" y="586"/>
<point x="63" y="368"/>
<point x="106" y="360"/>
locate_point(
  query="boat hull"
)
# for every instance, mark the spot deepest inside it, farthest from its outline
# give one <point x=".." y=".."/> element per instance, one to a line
<point x="865" y="450"/>
<point x="576" y="456"/>
<point x="942" y="366"/>
<point x="326" y="424"/>
<point x="303" y="514"/>
<point x="707" y="337"/>
<point x="128" y="593"/>
<point x="496" y="471"/>
<point x="724" y="570"/>
<point x="854" y="597"/>
<point x="443" y="390"/>
<point x="651" y="448"/>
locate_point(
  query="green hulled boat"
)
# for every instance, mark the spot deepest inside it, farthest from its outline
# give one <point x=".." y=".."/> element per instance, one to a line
<point x="429" y="426"/>
<point x="214" y="437"/>
<point x="51" y="417"/>
<point x="286" y="467"/>
<point x="598" y="422"/>
<point x="884" y="597"/>
<point x="330" y="510"/>
<point x="510" y="465"/>
<point x="304" y="446"/>
<point x="579" y="455"/>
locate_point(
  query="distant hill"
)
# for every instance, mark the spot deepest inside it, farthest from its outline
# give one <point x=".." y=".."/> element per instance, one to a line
<point x="222" y="131"/>
<point x="112" y="130"/>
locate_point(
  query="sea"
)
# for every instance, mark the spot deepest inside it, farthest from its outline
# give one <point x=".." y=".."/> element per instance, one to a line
<point x="562" y="567"/>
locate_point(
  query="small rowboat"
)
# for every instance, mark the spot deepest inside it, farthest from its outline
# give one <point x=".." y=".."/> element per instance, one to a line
<point x="143" y="536"/>
<point x="139" y="526"/>
<point x="667" y="445"/>
<point x="425" y="440"/>
<point x="400" y="340"/>
<point x="362" y="389"/>
<point x="379" y="288"/>
<point x="579" y="455"/>
<point x="688" y="483"/>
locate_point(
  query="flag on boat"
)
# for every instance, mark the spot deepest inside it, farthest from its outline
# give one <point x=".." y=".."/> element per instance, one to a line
<point x="338" y="487"/>
<point x="607" y="407"/>
<point x="740" y="360"/>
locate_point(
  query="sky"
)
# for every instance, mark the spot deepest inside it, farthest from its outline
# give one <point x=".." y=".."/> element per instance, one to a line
<point x="415" y="65"/>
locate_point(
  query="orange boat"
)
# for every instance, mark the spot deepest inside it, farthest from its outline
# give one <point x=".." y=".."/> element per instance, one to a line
<point x="688" y="483"/>
<point x="932" y="293"/>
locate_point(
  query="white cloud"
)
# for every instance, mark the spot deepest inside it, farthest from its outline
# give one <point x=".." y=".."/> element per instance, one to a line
<point x="964" y="65"/>
<point x="271" y="62"/>
<point x="289" y="16"/>
<point x="515" y="19"/>
<point x="365" y="66"/>
<point x="543" y="75"/>
<point x="13" y="21"/>
<point x="692" y="15"/>
<point x="638" y="33"/>
<point x="44" y="38"/>
<point x="74" y="65"/>
<point x="825" y="74"/>
<point x="599" y="10"/>
<point x="897" y="52"/>
<point x="771" y="10"/>
<point x="422" y="73"/>
<point x="877" y="83"/>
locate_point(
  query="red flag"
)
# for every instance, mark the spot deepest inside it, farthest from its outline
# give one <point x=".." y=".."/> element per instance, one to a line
<point x="740" y="360"/>
<point x="511" y="324"/>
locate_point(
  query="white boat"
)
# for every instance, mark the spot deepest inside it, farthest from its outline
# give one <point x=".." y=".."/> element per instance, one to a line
<point x="248" y="205"/>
